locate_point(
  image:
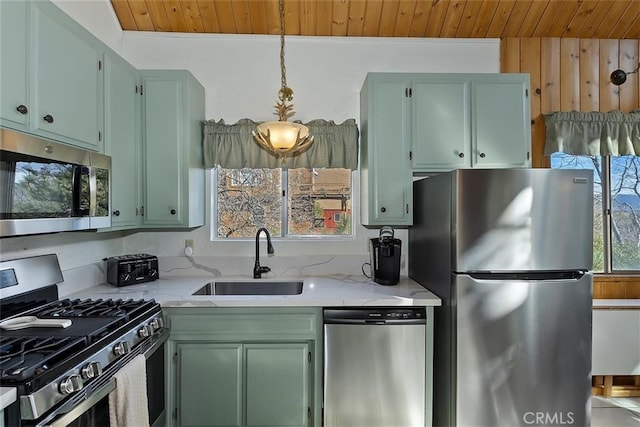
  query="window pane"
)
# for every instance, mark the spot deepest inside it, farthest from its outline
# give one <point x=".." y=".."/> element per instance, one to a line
<point x="625" y="212"/>
<point x="568" y="161"/>
<point x="247" y="200"/>
<point x="319" y="202"/>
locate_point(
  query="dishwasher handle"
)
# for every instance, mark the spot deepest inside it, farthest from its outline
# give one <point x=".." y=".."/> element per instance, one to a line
<point x="375" y="316"/>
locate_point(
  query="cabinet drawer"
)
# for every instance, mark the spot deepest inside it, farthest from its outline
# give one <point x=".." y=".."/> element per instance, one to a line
<point x="226" y="323"/>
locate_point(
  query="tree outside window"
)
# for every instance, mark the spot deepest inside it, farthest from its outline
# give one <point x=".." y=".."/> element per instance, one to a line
<point x="293" y="202"/>
<point x="616" y="203"/>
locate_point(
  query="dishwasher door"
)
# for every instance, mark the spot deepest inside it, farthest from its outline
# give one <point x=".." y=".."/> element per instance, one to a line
<point x="374" y="367"/>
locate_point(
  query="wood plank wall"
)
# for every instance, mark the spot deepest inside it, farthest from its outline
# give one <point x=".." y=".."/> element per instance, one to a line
<point x="573" y="74"/>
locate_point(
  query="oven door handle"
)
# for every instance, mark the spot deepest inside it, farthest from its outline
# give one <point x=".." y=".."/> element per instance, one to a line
<point x="70" y="416"/>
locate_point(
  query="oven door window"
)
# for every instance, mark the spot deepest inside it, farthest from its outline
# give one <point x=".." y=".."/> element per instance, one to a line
<point x="34" y="187"/>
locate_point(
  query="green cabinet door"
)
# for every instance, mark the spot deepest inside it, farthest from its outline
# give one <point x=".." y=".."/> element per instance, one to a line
<point x="441" y="126"/>
<point x="66" y="88"/>
<point x="470" y="121"/>
<point x="122" y="140"/>
<point x="243" y="384"/>
<point x="173" y="182"/>
<point x="385" y="170"/>
<point x="14" y="39"/>
<point x="277" y="384"/>
<point x="501" y="118"/>
<point x="210" y="384"/>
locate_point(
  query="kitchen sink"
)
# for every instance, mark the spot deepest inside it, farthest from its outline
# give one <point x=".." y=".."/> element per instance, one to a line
<point x="253" y="287"/>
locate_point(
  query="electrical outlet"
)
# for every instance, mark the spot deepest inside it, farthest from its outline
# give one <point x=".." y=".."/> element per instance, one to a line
<point x="189" y="248"/>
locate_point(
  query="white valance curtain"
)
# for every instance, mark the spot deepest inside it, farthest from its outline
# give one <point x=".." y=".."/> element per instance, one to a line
<point x="593" y="133"/>
<point x="232" y="146"/>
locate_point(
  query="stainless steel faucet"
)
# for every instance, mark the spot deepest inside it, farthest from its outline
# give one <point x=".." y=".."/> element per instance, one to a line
<point x="257" y="269"/>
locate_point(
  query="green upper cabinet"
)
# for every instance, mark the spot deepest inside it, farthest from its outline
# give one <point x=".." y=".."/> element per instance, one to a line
<point x="51" y="78"/>
<point x="470" y="121"/>
<point x="123" y="140"/>
<point x="66" y="79"/>
<point x="385" y="168"/>
<point x="441" y="124"/>
<point x="14" y="43"/>
<point x="429" y="123"/>
<point x="173" y="113"/>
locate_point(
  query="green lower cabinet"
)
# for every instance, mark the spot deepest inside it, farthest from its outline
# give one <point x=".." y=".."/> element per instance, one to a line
<point x="277" y="384"/>
<point x="239" y="367"/>
<point x="252" y="384"/>
<point x="209" y="384"/>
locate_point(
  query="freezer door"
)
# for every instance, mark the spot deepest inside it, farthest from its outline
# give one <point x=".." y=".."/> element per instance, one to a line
<point x="522" y="220"/>
<point x="522" y="352"/>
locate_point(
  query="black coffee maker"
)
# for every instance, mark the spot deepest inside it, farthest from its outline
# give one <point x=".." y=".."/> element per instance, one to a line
<point x="385" y="258"/>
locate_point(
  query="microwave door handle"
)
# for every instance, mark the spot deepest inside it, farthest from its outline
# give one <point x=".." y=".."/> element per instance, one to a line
<point x="80" y="189"/>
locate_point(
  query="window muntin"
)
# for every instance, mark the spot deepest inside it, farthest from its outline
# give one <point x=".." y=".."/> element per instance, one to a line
<point x="616" y="201"/>
<point x="289" y="203"/>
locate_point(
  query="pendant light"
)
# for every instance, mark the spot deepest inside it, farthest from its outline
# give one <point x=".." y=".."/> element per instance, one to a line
<point x="282" y="138"/>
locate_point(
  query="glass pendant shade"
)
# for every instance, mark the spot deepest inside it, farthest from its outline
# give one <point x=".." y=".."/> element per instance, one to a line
<point x="281" y="137"/>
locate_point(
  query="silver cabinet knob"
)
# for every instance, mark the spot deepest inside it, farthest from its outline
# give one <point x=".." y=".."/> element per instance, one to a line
<point x="91" y="370"/>
<point x="70" y="384"/>
<point x="122" y="348"/>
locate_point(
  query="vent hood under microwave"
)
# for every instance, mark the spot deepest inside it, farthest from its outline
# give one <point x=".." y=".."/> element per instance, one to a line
<point x="48" y="187"/>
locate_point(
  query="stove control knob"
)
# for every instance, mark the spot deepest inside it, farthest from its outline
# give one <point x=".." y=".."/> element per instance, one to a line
<point x="91" y="370"/>
<point x="70" y="384"/>
<point x="121" y="348"/>
<point x="156" y="323"/>
<point x="145" y="331"/>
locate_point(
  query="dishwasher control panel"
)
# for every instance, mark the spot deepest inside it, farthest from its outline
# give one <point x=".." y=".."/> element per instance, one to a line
<point x="379" y="315"/>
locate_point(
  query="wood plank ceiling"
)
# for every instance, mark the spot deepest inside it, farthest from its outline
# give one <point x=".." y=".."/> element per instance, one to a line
<point x="584" y="19"/>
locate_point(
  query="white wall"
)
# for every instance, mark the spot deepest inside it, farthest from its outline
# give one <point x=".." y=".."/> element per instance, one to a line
<point x="241" y="73"/>
<point x="241" y="76"/>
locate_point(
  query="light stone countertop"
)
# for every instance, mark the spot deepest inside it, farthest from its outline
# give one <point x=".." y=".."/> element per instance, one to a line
<point x="319" y="291"/>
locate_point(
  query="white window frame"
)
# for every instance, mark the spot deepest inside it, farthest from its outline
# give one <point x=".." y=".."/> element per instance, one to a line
<point x="213" y="216"/>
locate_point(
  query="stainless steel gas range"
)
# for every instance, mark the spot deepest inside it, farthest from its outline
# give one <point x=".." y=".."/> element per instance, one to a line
<point x="63" y="364"/>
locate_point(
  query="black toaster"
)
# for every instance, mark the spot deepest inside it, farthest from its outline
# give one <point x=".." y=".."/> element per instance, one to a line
<point x="131" y="269"/>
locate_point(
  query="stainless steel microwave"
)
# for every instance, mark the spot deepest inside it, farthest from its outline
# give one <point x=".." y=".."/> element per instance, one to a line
<point x="47" y="187"/>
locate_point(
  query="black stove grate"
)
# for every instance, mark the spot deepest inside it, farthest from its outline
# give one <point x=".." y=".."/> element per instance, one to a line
<point x="92" y="308"/>
<point x="23" y="357"/>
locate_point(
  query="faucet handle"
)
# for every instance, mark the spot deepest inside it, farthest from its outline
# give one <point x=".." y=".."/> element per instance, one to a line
<point x="259" y="269"/>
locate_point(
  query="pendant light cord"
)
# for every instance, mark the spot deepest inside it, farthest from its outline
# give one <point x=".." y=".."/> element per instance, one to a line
<point x="286" y="93"/>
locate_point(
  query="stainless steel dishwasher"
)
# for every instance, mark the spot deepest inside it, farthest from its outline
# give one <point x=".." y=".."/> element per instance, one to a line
<point x="374" y="367"/>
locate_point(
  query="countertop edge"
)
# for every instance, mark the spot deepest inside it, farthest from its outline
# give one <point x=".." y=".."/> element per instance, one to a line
<point x="320" y="291"/>
<point x="616" y="303"/>
<point x="8" y="395"/>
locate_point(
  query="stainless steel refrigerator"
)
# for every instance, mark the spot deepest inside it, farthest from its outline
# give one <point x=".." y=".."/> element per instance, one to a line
<point x="509" y="252"/>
